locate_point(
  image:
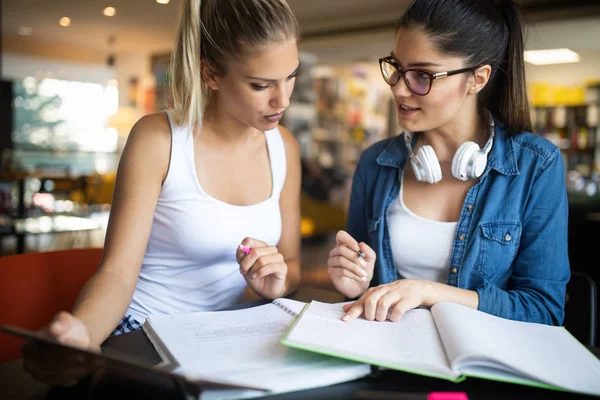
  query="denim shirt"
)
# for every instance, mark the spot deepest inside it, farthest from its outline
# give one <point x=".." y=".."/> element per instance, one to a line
<point x="510" y="244"/>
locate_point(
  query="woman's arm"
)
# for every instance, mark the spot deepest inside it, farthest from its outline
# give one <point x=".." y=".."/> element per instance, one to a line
<point x="142" y="169"/>
<point x="445" y="293"/>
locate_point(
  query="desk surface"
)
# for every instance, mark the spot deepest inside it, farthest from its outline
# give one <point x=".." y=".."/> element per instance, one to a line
<point x="16" y="384"/>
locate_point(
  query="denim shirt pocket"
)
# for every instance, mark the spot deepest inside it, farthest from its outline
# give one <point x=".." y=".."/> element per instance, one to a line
<point x="499" y="245"/>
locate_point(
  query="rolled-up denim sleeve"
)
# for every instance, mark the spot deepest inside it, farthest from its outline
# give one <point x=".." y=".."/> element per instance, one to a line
<point x="541" y="270"/>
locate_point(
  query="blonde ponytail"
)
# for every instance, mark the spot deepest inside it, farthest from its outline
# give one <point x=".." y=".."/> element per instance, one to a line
<point x="186" y="85"/>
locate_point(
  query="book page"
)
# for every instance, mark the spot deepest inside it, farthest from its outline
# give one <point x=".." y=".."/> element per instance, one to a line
<point x="540" y="353"/>
<point x="244" y="347"/>
<point x="411" y="344"/>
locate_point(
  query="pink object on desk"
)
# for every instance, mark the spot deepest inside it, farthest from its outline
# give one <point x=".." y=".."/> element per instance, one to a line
<point x="245" y="249"/>
<point x="447" y="396"/>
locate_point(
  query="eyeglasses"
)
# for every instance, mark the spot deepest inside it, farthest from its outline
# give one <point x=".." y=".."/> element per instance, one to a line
<point x="419" y="82"/>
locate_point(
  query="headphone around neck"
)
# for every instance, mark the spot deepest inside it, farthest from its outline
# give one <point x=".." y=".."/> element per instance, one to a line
<point x="469" y="162"/>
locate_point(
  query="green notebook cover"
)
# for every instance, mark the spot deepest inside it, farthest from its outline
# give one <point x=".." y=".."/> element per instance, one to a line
<point x="285" y="342"/>
<point x="366" y="360"/>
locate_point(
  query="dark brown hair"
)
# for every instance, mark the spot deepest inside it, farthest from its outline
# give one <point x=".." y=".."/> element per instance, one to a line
<point x="483" y="32"/>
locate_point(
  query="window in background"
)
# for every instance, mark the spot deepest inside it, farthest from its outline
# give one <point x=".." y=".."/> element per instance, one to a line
<point x="64" y="115"/>
<point x="60" y="126"/>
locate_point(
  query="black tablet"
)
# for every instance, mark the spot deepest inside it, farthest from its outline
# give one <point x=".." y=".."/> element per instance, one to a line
<point x="122" y="365"/>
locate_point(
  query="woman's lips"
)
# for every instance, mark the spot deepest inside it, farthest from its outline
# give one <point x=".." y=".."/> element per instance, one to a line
<point x="274" y="117"/>
<point x="407" y="111"/>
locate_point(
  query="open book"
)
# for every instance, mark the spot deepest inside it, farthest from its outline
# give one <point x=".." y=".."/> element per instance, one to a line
<point x="244" y="346"/>
<point x="452" y="342"/>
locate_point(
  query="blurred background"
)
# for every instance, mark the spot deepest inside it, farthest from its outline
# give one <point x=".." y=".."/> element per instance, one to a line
<point x="76" y="76"/>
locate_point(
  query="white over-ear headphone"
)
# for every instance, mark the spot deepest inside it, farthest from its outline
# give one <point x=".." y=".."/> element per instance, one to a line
<point x="469" y="162"/>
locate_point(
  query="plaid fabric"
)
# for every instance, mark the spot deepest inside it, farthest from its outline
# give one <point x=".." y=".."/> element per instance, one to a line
<point x="127" y="324"/>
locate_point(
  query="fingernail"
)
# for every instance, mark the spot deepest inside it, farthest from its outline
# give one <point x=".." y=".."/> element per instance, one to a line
<point x="365" y="278"/>
<point x="363" y="263"/>
<point x="345" y="318"/>
<point x="254" y="276"/>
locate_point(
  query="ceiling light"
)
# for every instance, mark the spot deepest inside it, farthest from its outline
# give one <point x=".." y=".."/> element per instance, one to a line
<point x="65" y="21"/>
<point x="162" y="1"/>
<point x="25" y="31"/>
<point x="551" y="56"/>
<point x="110" y="11"/>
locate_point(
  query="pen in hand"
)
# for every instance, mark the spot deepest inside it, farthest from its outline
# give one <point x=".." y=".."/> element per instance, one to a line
<point x="245" y="249"/>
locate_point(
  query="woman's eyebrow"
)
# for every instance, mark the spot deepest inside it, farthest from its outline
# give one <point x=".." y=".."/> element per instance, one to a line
<point x="415" y="64"/>
<point x="274" y="80"/>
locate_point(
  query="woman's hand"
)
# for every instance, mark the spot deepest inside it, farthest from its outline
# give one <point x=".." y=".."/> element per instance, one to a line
<point x="391" y="301"/>
<point x="348" y="271"/>
<point x="55" y="368"/>
<point x="264" y="268"/>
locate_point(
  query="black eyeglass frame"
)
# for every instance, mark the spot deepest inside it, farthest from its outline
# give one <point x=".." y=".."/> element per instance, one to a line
<point x="432" y="77"/>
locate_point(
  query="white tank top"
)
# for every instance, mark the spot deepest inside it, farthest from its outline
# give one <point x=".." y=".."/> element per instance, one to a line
<point x="190" y="263"/>
<point x="421" y="247"/>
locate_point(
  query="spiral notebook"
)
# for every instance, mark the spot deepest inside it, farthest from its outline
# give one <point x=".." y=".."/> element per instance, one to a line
<point x="245" y="346"/>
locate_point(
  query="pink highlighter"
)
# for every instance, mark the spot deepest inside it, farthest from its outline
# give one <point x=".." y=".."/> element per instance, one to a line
<point x="382" y="395"/>
<point x="447" y="396"/>
<point x="245" y="249"/>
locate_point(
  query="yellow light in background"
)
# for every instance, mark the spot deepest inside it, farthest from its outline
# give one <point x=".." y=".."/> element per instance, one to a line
<point x="110" y="11"/>
<point x="124" y="119"/>
<point x="65" y="21"/>
<point x="162" y="1"/>
<point x="551" y="56"/>
<point x="307" y="227"/>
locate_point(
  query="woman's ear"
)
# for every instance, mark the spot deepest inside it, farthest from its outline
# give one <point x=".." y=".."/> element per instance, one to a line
<point x="209" y="76"/>
<point x="481" y="77"/>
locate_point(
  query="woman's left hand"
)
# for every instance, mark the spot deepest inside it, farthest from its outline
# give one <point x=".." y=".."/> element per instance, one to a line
<point x="264" y="268"/>
<point x="391" y="301"/>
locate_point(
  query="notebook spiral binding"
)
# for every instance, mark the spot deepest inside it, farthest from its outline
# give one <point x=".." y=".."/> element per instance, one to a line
<point x="284" y="308"/>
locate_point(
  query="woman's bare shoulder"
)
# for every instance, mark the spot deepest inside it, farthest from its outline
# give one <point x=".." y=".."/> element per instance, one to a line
<point x="149" y="143"/>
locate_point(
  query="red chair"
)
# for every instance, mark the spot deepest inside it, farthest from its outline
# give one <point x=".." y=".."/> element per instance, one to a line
<point x="35" y="286"/>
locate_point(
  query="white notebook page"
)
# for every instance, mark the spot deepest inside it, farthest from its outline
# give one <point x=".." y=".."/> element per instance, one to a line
<point x="547" y="354"/>
<point x="244" y="347"/>
<point x="411" y="343"/>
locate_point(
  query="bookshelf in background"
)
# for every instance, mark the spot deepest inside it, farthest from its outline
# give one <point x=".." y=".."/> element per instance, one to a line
<point x="568" y="116"/>
<point x="352" y="112"/>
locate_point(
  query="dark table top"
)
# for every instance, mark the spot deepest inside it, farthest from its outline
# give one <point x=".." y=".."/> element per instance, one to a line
<point x="16" y="384"/>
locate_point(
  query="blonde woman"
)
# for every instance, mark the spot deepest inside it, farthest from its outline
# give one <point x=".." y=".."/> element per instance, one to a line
<point x="206" y="201"/>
